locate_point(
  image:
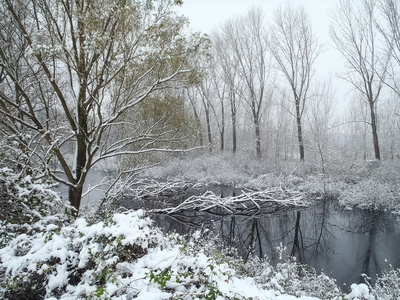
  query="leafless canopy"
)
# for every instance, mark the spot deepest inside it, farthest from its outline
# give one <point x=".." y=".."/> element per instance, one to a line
<point x="356" y="36"/>
<point x="295" y="49"/>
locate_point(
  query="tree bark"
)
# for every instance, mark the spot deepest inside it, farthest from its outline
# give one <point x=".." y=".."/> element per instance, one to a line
<point x="258" y="139"/>
<point x="300" y="137"/>
<point x="375" y="133"/>
<point x="233" y="117"/>
<point x="208" y="124"/>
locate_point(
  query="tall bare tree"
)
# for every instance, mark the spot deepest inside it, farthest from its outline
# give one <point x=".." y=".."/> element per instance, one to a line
<point x="248" y="47"/>
<point x="295" y="49"/>
<point x="389" y="27"/>
<point x="228" y="67"/>
<point x="220" y="87"/>
<point x="71" y="70"/>
<point x="321" y="124"/>
<point x="355" y="35"/>
<point x="390" y="126"/>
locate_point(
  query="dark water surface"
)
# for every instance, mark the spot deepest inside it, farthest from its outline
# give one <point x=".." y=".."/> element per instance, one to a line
<point x="342" y="243"/>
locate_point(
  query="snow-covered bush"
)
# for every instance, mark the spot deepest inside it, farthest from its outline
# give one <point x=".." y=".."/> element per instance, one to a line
<point x="24" y="199"/>
<point x="371" y="194"/>
<point x="372" y="185"/>
<point x="86" y="260"/>
<point x="290" y="277"/>
<point x="387" y="286"/>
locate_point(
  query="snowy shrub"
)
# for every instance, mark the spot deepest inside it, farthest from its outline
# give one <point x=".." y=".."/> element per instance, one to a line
<point x="85" y="258"/>
<point x="25" y="201"/>
<point x="289" y="277"/>
<point x="120" y="256"/>
<point x="371" y="194"/>
<point x="387" y="286"/>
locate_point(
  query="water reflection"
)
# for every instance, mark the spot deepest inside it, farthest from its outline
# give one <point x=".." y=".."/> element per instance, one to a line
<point x="341" y="243"/>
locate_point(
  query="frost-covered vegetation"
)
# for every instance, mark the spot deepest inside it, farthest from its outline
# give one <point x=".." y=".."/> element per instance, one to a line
<point x="26" y="204"/>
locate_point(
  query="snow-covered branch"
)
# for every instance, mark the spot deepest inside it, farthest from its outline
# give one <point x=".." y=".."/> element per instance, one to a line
<point x="247" y="201"/>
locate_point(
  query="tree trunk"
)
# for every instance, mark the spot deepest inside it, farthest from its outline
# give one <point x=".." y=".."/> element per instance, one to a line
<point x="208" y="128"/>
<point x="197" y="118"/>
<point x="75" y="193"/>
<point x="258" y="139"/>
<point x="299" y="132"/>
<point x="375" y="133"/>
<point x="199" y="130"/>
<point x="75" y="197"/>
<point x="222" y="131"/>
<point x="222" y="140"/>
<point x="233" y="117"/>
<point x="234" y="141"/>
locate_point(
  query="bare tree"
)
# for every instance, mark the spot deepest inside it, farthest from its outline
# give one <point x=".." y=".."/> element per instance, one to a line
<point x="389" y="128"/>
<point x="220" y="88"/>
<point x="228" y="65"/>
<point x="205" y="92"/>
<point x="356" y="120"/>
<point x="248" y="47"/>
<point x="321" y="124"/>
<point x="76" y="67"/>
<point x="295" y="49"/>
<point x="191" y="95"/>
<point x="355" y="35"/>
<point x="389" y="27"/>
<point x="282" y="129"/>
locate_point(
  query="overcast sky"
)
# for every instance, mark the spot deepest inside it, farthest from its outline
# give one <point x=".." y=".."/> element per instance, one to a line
<point x="207" y="15"/>
<point x="204" y="15"/>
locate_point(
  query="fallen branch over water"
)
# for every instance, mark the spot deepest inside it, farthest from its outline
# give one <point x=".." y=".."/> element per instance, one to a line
<point x="248" y="200"/>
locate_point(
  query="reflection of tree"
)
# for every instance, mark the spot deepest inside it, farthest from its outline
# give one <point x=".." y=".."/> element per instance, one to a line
<point x="321" y="234"/>
<point x="372" y="222"/>
<point x="298" y="244"/>
<point x="370" y="255"/>
<point x="231" y="235"/>
<point x="254" y="239"/>
<point x="366" y="226"/>
<point x="321" y="231"/>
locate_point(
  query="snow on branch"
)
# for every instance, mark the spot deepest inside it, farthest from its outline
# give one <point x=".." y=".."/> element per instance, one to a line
<point x="152" y="188"/>
<point x="248" y="200"/>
